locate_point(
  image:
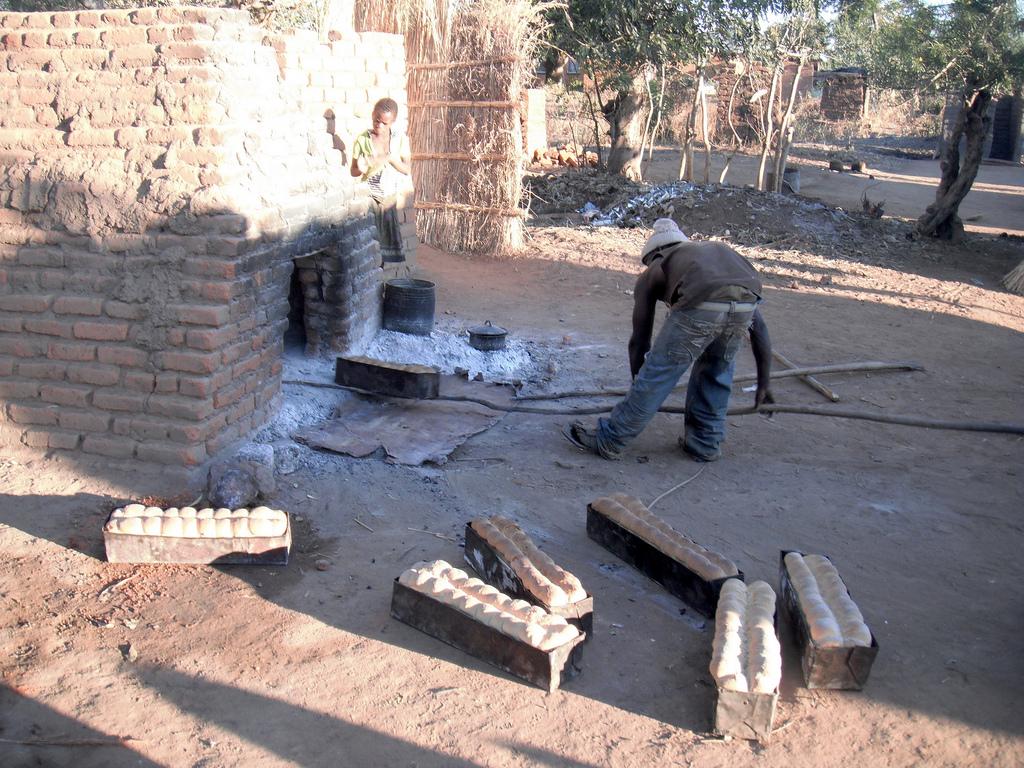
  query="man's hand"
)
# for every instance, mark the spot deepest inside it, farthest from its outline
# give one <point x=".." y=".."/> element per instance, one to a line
<point x="762" y="396"/>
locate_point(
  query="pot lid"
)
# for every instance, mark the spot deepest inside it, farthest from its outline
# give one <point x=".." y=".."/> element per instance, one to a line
<point x="488" y="330"/>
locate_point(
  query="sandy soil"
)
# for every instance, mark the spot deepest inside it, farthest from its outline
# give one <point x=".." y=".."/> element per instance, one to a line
<point x="233" y="666"/>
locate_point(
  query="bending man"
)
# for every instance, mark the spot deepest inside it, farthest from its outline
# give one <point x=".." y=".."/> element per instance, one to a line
<point x="713" y="293"/>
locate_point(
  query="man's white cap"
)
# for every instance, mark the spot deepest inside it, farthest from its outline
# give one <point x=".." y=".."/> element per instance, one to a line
<point x="666" y="232"/>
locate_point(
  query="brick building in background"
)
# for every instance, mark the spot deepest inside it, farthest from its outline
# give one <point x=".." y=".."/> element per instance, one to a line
<point x="168" y="179"/>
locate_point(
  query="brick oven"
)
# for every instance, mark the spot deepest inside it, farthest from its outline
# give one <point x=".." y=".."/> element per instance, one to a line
<point x="174" y="187"/>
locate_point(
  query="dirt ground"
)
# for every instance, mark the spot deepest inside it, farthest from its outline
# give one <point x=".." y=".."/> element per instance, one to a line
<point x="257" y="666"/>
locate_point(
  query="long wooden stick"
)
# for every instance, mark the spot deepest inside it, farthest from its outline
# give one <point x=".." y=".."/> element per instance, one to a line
<point x="430" y="205"/>
<point x="457" y="64"/>
<point x="466" y="104"/>
<point x="869" y="365"/>
<point x="810" y="381"/>
<point x="115" y="741"/>
<point x="909" y="421"/>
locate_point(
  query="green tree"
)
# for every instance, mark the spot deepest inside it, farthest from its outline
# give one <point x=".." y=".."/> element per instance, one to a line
<point x="619" y="45"/>
<point x="977" y="53"/>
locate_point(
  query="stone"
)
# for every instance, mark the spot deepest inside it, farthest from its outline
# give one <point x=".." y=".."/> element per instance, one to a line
<point x="234" y="488"/>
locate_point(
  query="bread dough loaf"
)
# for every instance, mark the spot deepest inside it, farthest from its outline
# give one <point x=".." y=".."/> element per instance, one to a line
<point x="745" y="653"/>
<point x="515" y="618"/>
<point x="542" y="578"/>
<point x="833" y="618"/>
<point x="631" y="514"/>
<point x="189" y="523"/>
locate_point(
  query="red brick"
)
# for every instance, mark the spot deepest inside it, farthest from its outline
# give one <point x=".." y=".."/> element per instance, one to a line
<point x="78" y="305"/>
<point x="66" y="440"/>
<point x="33" y="414"/>
<point x="175" y="337"/>
<point x="19" y="390"/>
<point x="101" y="331"/>
<point x="166" y="383"/>
<point x="250" y="364"/>
<point x="170" y="15"/>
<point x="63" y="394"/>
<point x="6" y="366"/>
<point x="49" y="328"/>
<point x="229" y="394"/>
<point x="117" y="18"/>
<point x="139" y="381"/>
<point x="126" y="357"/>
<point x="19" y="346"/>
<point x="186" y="51"/>
<point x="158" y="35"/>
<point x="34" y="39"/>
<point x="11" y="324"/>
<point x="35" y="439"/>
<point x="92" y="373"/>
<point x="80" y="353"/>
<point x="84" y="421"/>
<point x="202" y="314"/>
<point x="119" y="401"/>
<point x="39" y="20"/>
<point x="144" y="16"/>
<point x="210" y="339"/>
<point x="61" y="39"/>
<point x="145" y="429"/>
<point x="195" y="387"/>
<point x="189" y="362"/>
<point x="87" y="38"/>
<point x="43" y="369"/>
<point x="177" y="455"/>
<point x="122" y="37"/>
<point x="24" y="302"/>
<point x="115" y="447"/>
<point x="179" y="407"/>
<point x="196" y="433"/>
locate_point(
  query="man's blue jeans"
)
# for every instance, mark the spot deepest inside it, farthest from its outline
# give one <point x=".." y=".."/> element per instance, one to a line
<point x="706" y="339"/>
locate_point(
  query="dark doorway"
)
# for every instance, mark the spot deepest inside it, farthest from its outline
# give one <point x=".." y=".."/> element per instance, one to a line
<point x="295" y="336"/>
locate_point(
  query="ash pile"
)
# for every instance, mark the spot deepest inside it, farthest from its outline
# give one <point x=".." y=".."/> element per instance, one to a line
<point x="659" y="201"/>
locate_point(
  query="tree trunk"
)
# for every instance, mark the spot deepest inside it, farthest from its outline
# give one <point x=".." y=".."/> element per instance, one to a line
<point x="769" y="128"/>
<point x="704" y="128"/>
<point x="686" y="163"/>
<point x="941" y="219"/>
<point x="625" y="115"/>
<point x="786" y="129"/>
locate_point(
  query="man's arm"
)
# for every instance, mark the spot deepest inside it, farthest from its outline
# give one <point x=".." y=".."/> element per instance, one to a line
<point x="762" y="348"/>
<point x="649" y="287"/>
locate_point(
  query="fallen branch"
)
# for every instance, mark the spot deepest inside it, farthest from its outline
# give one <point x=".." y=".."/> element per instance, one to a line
<point x="105" y="592"/>
<point x="115" y="741"/>
<point x="435" y="535"/>
<point x="870" y="365"/>
<point x="810" y="381"/>
<point x="361" y="524"/>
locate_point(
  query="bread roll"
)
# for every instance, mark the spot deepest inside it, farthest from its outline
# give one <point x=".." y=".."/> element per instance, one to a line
<point x="746" y="655"/>
<point x="833" y="618"/>
<point x="539" y="574"/>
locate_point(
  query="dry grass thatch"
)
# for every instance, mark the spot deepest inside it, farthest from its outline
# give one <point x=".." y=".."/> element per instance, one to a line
<point x="1014" y="281"/>
<point x="468" y="64"/>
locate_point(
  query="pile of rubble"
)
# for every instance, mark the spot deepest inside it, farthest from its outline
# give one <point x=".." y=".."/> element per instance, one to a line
<point x="567" y="156"/>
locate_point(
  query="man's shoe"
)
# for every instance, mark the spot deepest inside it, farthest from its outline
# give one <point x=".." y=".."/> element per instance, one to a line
<point x="700" y="456"/>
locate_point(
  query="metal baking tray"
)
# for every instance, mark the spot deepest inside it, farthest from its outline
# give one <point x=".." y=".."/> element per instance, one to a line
<point x="546" y="669"/>
<point x="482" y="558"/>
<point x="697" y="592"/>
<point x="843" y="668"/>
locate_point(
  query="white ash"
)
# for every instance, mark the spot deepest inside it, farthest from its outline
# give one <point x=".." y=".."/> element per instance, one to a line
<point x="519" y="360"/>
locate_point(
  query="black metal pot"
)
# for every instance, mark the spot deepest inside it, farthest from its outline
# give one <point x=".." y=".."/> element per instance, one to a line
<point x="487" y="337"/>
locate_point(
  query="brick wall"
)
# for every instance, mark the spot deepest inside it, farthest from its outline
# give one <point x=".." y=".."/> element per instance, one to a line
<point x="161" y="171"/>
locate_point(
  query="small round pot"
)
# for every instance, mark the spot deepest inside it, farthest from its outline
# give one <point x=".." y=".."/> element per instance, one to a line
<point x="487" y="337"/>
